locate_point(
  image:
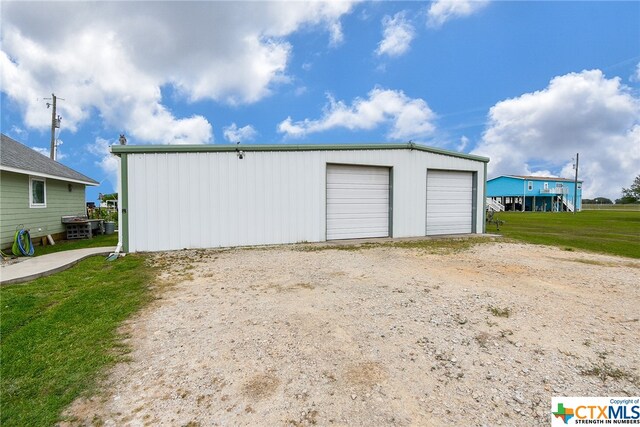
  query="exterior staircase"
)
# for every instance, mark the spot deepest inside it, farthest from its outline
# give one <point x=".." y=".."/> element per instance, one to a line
<point x="494" y="205"/>
<point x="569" y="205"/>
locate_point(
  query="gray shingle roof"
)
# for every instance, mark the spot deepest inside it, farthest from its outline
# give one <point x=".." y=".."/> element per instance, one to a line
<point x="16" y="155"/>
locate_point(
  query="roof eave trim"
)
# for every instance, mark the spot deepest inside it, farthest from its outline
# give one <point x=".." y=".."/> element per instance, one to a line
<point x="143" y="149"/>
<point x="46" y="175"/>
<point x="542" y="178"/>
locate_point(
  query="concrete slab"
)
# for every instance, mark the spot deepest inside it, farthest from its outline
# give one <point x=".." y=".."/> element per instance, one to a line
<point x="45" y="265"/>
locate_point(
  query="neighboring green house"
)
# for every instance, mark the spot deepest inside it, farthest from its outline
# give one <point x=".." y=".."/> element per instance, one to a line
<point x="36" y="192"/>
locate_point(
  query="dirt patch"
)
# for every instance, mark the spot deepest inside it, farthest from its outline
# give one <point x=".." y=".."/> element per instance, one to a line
<point x="10" y="260"/>
<point x="377" y="336"/>
<point x="366" y="374"/>
<point x="260" y="386"/>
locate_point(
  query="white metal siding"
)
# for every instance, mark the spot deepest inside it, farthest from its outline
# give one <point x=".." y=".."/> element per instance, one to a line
<point x="449" y="202"/>
<point x="357" y="202"/>
<point x="202" y="200"/>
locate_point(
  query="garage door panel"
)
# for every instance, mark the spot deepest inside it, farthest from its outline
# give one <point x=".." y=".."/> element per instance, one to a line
<point x="357" y="180"/>
<point x="444" y="229"/>
<point x="449" y="202"/>
<point x="457" y="176"/>
<point x="359" y="170"/>
<point x="345" y="206"/>
<point x="362" y="233"/>
<point x="450" y="209"/>
<point x="348" y="218"/>
<point x="337" y="194"/>
<point x="444" y="217"/>
<point x="362" y="211"/>
<point x="438" y="193"/>
<point x="357" y="202"/>
<point x="344" y="225"/>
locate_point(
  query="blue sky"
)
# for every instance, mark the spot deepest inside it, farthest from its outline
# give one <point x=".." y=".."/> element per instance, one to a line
<point x="528" y="84"/>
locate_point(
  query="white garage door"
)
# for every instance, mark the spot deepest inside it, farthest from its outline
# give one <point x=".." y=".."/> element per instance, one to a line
<point x="449" y="202"/>
<point x="357" y="202"/>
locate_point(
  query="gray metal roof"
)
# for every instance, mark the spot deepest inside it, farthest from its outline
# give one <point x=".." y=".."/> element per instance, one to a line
<point x="537" y="178"/>
<point x="17" y="157"/>
<point x="212" y="148"/>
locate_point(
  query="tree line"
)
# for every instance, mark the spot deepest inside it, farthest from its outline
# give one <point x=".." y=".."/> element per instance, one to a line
<point x="629" y="195"/>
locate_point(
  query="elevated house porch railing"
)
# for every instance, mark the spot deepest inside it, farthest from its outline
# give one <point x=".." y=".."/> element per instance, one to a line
<point x="555" y="202"/>
<point x="557" y="190"/>
<point x="560" y="191"/>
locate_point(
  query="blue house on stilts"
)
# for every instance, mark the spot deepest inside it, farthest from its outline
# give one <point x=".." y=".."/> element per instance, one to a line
<point x="533" y="193"/>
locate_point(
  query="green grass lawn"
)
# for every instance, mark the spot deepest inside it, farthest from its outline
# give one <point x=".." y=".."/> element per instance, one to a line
<point x="67" y="245"/>
<point x="59" y="333"/>
<point x="609" y="232"/>
<point x="626" y="207"/>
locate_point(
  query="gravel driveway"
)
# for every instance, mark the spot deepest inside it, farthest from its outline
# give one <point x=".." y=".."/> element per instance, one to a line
<point x="299" y="335"/>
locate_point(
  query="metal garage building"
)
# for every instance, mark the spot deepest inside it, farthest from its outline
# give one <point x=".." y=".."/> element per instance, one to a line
<point x="178" y="196"/>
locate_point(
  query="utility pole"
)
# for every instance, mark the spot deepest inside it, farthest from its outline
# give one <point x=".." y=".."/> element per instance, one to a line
<point x="575" y="185"/>
<point x="55" y="124"/>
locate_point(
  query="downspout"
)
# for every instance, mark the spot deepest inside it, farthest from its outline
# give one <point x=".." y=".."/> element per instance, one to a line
<point x="484" y="200"/>
<point x="115" y="254"/>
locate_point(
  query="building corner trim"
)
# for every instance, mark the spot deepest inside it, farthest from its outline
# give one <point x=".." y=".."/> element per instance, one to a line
<point x="124" y="221"/>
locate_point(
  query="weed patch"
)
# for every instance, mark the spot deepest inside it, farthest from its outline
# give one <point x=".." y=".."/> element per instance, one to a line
<point x="433" y="246"/>
<point x="483" y="339"/>
<point x="605" y="371"/>
<point x="499" y="312"/>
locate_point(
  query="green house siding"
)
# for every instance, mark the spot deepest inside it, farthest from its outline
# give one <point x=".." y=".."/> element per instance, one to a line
<point x="15" y="211"/>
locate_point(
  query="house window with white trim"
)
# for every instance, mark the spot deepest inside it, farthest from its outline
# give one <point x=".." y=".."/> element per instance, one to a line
<point x="37" y="192"/>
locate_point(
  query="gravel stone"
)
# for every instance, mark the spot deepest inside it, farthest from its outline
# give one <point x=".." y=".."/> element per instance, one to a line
<point x="290" y="336"/>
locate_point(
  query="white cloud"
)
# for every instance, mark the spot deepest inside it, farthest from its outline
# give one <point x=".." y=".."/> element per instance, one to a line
<point x="224" y="51"/>
<point x="108" y="163"/>
<point x="397" y="35"/>
<point x="543" y="173"/>
<point x="41" y="150"/>
<point x="407" y="117"/>
<point x="335" y="33"/>
<point x="464" y="143"/>
<point x="60" y="155"/>
<point x="443" y="10"/>
<point x="635" y="77"/>
<point x="18" y="132"/>
<point x="233" y="133"/>
<point x="300" y="90"/>
<point x="579" y="112"/>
